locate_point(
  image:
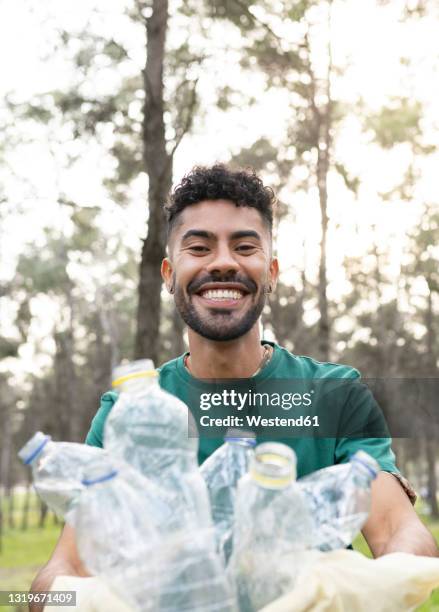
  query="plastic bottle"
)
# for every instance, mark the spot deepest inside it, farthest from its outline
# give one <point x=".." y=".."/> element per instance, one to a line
<point x="222" y="471"/>
<point x="271" y="520"/>
<point x="116" y="533"/>
<point x="57" y="469"/>
<point x="339" y="500"/>
<point x="149" y="429"/>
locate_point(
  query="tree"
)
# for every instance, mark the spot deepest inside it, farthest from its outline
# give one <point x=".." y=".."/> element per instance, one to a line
<point x="424" y="265"/>
<point x="151" y="110"/>
<point x="158" y="164"/>
<point x="292" y="65"/>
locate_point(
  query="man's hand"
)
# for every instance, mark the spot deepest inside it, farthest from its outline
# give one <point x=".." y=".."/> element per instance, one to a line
<point x="64" y="561"/>
<point x="393" y="525"/>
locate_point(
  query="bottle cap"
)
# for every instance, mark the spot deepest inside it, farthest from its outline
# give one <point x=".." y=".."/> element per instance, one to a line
<point x="273" y="465"/>
<point x="363" y="459"/>
<point x="142" y="368"/>
<point x="240" y="436"/>
<point x="33" y="447"/>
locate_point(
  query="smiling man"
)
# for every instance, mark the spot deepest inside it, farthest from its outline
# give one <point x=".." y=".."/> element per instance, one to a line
<point x="220" y="269"/>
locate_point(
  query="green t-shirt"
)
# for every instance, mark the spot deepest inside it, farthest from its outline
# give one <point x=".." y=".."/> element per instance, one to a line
<point x="313" y="453"/>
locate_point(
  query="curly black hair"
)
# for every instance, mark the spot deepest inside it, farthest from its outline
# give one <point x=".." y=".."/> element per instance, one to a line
<point x="218" y="182"/>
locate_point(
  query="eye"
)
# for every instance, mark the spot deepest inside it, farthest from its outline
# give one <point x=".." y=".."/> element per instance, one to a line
<point x="245" y="247"/>
<point x="198" y="248"/>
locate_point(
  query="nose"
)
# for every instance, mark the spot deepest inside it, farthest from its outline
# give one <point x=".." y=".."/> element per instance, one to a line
<point x="222" y="261"/>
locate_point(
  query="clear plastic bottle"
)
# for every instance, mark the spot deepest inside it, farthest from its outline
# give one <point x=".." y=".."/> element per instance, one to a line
<point x="339" y="500"/>
<point x="271" y="520"/>
<point x="57" y="469"/>
<point x="195" y="578"/>
<point x="222" y="471"/>
<point x="116" y="533"/>
<point x="149" y="429"/>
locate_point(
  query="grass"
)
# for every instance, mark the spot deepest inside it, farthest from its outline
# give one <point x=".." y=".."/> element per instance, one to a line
<point x="24" y="552"/>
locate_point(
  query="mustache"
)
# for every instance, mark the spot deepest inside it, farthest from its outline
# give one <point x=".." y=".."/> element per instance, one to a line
<point x="195" y="285"/>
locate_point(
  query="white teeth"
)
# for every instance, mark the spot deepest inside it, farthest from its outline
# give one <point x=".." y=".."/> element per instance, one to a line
<point x="222" y="294"/>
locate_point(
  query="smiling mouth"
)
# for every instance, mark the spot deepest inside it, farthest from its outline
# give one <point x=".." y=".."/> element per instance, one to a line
<point x="222" y="295"/>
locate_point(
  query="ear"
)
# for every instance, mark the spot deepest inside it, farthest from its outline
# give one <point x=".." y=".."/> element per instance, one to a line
<point x="274" y="272"/>
<point x="167" y="273"/>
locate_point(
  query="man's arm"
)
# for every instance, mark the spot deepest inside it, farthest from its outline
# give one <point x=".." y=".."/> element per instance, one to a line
<point x="393" y="525"/>
<point x="64" y="561"/>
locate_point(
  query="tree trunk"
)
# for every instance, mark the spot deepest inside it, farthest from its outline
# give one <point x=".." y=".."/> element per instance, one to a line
<point x="1" y="520"/>
<point x="11" y="507"/>
<point x="158" y="165"/>
<point x="108" y="324"/>
<point x="70" y="409"/>
<point x="323" y="120"/>
<point x="322" y="173"/>
<point x="430" y="447"/>
<point x="178" y="346"/>
<point x="5" y="465"/>
<point x="431" y="438"/>
<point x="43" y="514"/>
<point x="431" y="336"/>
<point x="26" y="505"/>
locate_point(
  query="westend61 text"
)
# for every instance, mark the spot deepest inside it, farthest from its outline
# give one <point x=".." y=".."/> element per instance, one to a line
<point x="259" y="421"/>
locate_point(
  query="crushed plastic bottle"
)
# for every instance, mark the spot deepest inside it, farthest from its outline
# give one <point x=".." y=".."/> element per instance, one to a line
<point x="195" y="579"/>
<point x="116" y="533"/>
<point x="222" y="471"/>
<point x="149" y="429"/>
<point x="339" y="500"/>
<point x="57" y="469"/>
<point x="271" y="521"/>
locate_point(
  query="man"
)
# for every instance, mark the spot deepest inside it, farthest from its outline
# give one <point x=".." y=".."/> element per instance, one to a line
<point x="220" y="268"/>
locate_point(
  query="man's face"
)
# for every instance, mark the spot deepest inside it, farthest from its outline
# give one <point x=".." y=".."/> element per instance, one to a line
<point x="220" y="267"/>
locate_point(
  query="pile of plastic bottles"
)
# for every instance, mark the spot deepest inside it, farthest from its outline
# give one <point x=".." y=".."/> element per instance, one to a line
<point x="169" y="536"/>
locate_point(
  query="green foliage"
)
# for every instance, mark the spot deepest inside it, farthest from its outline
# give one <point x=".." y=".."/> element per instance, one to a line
<point x="276" y="62"/>
<point x="299" y="8"/>
<point x="86" y="236"/>
<point x="405" y="190"/>
<point x="37" y="112"/>
<point x="258" y="156"/>
<point x="46" y="274"/>
<point x="423" y="242"/>
<point x="224" y="99"/>
<point x="303" y="133"/>
<point x="352" y="183"/>
<point x="396" y="123"/>
<point x="114" y="51"/>
<point x="236" y="11"/>
<point x="8" y="347"/>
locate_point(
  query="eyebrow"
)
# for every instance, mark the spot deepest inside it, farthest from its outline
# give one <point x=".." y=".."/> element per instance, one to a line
<point x="245" y="234"/>
<point x="197" y="234"/>
<point x="210" y="235"/>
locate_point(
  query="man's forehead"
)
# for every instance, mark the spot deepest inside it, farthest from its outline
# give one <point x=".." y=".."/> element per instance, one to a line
<point x="220" y="217"/>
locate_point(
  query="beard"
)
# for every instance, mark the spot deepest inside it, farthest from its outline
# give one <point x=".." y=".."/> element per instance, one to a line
<point x="220" y="324"/>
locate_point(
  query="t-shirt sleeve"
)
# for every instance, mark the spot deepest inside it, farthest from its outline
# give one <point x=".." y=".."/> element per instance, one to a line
<point x="378" y="448"/>
<point x="95" y="436"/>
<point x="363" y="427"/>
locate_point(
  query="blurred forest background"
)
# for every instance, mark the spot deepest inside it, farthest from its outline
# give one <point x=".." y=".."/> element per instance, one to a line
<point x="107" y="105"/>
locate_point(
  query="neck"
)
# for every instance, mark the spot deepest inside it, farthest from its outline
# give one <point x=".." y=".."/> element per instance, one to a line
<point x="238" y="358"/>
